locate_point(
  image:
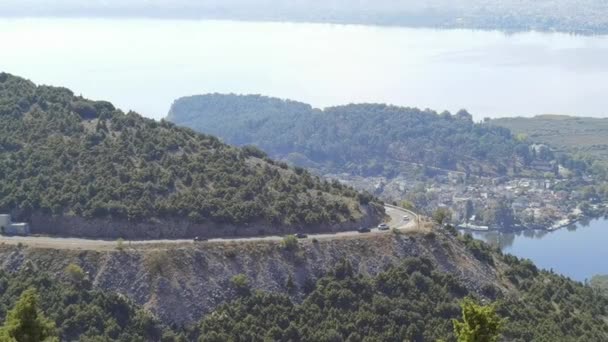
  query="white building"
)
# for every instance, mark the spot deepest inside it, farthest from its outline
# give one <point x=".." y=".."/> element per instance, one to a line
<point x="8" y="227"/>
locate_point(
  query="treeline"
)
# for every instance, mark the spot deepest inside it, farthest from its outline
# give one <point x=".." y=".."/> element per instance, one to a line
<point x="61" y="154"/>
<point x="364" y="139"/>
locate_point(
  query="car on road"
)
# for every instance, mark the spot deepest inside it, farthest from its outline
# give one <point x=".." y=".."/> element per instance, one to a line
<point x="383" y="226"/>
<point x="363" y="230"/>
<point x="199" y="239"/>
<point x="406" y="218"/>
<point x="300" y="235"/>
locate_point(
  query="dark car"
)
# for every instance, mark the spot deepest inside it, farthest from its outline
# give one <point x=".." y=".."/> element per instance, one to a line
<point x="198" y="239"/>
<point x="301" y="235"/>
<point x="363" y="230"/>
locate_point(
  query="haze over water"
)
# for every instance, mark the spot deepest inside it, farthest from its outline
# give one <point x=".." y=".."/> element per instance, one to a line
<point x="144" y="65"/>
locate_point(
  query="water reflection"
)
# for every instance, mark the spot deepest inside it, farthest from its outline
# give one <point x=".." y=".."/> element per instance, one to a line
<point x="577" y="251"/>
<point x="585" y="222"/>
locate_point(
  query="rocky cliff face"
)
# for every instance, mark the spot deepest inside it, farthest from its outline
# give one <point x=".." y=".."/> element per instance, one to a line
<point x="181" y="283"/>
<point x="111" y="228"/>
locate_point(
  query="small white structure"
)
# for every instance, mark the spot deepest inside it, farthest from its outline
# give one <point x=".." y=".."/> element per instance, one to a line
<point x="7" y="227"/>
<point x="5" y="220"/>
<point x="473" y="227"/>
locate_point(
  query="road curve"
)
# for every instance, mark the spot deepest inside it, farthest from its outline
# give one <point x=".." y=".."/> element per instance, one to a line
<point x="396" y="221"/>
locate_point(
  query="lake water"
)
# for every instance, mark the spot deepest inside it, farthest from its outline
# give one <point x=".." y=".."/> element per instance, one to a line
<point x="578" y="252"/>
<point x="145" y="64"/>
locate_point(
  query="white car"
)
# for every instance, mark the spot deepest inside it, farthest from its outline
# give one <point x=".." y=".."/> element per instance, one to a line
<point x="383" y="226"/>
<point x="406" y="218"/>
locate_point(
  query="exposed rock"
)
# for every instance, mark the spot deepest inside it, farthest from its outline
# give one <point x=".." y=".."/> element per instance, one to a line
<point x="181" y="283"/>
<point x="73" y="226"/>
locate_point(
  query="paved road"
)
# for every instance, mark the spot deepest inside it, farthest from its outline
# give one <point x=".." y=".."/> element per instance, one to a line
<point x="396" y="221"/>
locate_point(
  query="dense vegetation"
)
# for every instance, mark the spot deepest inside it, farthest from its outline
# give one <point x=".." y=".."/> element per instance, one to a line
<point x="580" y="16"/>
<point x="413" y="302"/>
<point x="74" y="311"/>
<point x="586" y="139"/>
<point x="62" y="154"/>
<point x="410" y="301"/>
<point x="365" y="139"/>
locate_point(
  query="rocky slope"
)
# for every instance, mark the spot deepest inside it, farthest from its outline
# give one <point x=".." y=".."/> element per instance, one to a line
<point x="182" y="283"/>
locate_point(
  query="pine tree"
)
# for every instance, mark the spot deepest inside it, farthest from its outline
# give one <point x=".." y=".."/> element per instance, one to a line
<point x="479" y="323"/>
<point x="26" y="323"/>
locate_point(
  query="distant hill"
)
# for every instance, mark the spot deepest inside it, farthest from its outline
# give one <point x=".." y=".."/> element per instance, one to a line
<point x="568" y="133"/>
<point x="361" y="139"/>
<point x="73" y="166"/>
<point x="581" y="16"/>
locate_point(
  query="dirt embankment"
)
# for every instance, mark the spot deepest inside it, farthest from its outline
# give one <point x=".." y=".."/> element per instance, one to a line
<point x="181" y="283"/>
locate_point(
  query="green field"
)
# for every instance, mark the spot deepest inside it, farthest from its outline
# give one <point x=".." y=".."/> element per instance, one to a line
<point x="567" y="133"/>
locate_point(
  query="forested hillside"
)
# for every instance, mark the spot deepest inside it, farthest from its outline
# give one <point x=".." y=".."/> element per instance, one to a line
<point x="63" y="156"/>
<point x="363" y="139"/>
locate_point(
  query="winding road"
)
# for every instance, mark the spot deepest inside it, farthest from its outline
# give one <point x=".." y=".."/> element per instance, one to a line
<point x="396" y="221"/>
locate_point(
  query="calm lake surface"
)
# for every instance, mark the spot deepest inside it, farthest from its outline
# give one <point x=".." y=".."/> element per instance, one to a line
<point x="145" y="64"/>
<point x="578" y="252"/>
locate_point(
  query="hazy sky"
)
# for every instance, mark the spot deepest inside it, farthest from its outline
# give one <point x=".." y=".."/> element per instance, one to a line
<point x="546" y="7"/>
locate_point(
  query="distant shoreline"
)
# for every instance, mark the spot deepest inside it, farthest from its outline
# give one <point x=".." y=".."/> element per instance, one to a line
<point x="403" y="23"/>
<point x="518" y="229"/>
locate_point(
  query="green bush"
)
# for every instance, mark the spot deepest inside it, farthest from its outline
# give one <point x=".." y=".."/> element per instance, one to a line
<point x="290" y="242"/>
<point x="75" y="274"/>
<point x="120" y="244"/>
<point x="240" y="282"/>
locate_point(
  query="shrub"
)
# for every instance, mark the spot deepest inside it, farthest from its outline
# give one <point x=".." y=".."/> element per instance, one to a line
<point x="157" y="264"/>
<point x="442" y="215"/>
<point x="240" y="282"/>
<point x="451" y="229"/>
<point x="290" y="284"/>
<point x="75" y="274"/>
<point x="290" y="242"/>
<point x="120" y="244"/>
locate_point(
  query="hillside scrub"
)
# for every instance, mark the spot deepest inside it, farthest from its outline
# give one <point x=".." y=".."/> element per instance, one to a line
<point x="414" y="301"/>
<point x="63" y="155"/>
<point x="72" y="311"/>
